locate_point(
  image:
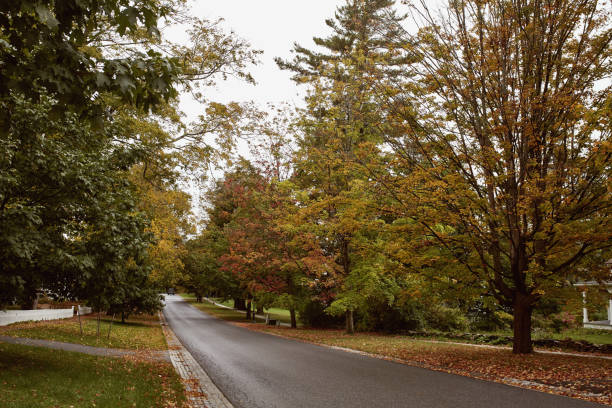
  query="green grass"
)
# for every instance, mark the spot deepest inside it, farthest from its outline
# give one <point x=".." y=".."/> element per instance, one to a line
<point x="220" y="312"/>
<point x="33" y="377"/>
<point x="591" y="335"/>
<point x="137" y="333"/>
<point x="275" y="313"/>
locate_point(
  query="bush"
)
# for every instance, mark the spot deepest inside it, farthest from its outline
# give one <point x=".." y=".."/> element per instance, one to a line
<point x="396" y="318"/>
<point x="312" y="314"/>
<point x="446" y="319"/>
<point x="482" y="318"/>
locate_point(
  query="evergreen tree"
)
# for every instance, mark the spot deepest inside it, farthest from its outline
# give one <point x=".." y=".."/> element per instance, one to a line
<point x="339" y="128"/>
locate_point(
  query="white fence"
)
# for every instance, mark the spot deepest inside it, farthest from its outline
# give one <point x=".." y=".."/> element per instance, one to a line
<point x="84" y="310"/>
<point x="14" y="316"/>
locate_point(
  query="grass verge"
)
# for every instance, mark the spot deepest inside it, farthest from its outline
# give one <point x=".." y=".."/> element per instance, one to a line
<point x="137" y="333"/>
<point x="220" y="312"/>
<point x="37" y="377"/>
<point x="274" y="312"/>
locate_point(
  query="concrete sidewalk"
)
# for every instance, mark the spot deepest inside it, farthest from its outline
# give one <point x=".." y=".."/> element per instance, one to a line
<point x="80" y="348"/>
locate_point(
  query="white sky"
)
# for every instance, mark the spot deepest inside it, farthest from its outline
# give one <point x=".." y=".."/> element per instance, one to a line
<point x="272" y="26"/>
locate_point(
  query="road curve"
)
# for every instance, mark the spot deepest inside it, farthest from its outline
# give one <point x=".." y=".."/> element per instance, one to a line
<point x="256" y="370"/>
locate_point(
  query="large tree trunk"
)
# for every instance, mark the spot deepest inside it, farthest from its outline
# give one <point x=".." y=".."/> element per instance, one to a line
<point x="293" y="319"/>
<point x="239" y="304"/>
<point x="248" y="309"/>
<point x="522" y="327"/>
<point x="122" y="317"/>
<point x="350" y="324"/>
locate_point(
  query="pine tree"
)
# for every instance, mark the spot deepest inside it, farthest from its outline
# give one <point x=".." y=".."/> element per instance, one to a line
<point x="340" y="126"/>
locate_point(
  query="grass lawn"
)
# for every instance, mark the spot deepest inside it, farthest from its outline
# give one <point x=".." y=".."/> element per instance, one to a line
<point x="220" y="312"/>
<point x="578" y="334"/>
<point x="137" y="333"/>
<point x="37" y="377"/>
<point x="590" y="335"/>
<point x="275" y="313"/>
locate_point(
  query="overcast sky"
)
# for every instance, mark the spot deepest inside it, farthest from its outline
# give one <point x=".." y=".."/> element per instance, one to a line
<point x="271" y="26"/>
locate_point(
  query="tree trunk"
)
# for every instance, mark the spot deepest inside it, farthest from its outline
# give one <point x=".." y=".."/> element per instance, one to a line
<point x="111" y="325"/>
<point x="122" y="317"/>
<point x="98" y="326"/>
<point x="350" y="324"/>
<point x="248" y="309"/>
<point x="35" y="301"/>
<point x="239" y="304"/>
<point x="293" y="320"/>
<point x="260" y="309"/>
<point x="522" y="328"/>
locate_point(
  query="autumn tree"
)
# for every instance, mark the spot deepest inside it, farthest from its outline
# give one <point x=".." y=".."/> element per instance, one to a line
<point x="169" y="210"/>
<point x="502" y="144"/>
<point x="340" y="118"/>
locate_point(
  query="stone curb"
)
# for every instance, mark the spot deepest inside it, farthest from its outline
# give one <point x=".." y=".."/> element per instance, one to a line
<point x="201" y="391"/>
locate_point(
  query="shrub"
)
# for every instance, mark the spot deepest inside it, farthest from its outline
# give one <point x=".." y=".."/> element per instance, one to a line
<point x="396" y="318"/>
<point x="312" y="314"/>
<point x="445" y="318"/>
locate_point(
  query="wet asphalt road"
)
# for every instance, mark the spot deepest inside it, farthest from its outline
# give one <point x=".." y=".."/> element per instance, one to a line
<point x="256" y="370"/>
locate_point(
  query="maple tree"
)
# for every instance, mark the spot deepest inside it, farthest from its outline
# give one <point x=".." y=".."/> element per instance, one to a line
<point x="502" y="145"/>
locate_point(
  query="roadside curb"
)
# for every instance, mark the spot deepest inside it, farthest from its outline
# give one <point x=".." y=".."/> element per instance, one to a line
<point x="201" y="391"/>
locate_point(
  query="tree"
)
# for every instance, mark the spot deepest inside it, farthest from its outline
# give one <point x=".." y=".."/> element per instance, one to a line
<point x="269" y="254"/>
<point x="169" y="211"/>
<point x="72" y="73"/>
<point x="61" y="180"/>
<point x="502" y="132"/>
<point x="340" y="119"/>
<point x="203" y="273"/>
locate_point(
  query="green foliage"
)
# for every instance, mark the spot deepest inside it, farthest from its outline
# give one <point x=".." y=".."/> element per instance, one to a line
<point x="64" y="200"/>
<point x="444" y="318"/>
<point x="51" y="45"/>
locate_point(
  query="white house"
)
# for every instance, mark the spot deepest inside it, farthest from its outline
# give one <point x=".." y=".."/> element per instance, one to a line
<point x="600" y="324"/>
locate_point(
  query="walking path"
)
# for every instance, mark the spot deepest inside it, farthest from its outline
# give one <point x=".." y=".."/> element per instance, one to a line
<point x="80" y="348"/>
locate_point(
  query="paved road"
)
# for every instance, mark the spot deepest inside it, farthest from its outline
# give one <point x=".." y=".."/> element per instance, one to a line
<point x="256" y="370"/>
